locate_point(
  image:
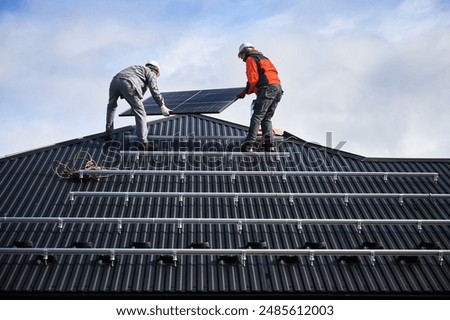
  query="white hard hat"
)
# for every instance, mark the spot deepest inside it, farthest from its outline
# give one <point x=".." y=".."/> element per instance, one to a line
<point x="244" y="46"/>
<point x="154" y="65"/>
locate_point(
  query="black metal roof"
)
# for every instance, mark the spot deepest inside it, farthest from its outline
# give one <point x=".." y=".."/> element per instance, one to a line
<point x="217" y="244"/>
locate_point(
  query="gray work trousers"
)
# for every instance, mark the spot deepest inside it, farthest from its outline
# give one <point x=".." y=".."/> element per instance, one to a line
<point x="124" y="88"/>
<point x="263" y="111"/>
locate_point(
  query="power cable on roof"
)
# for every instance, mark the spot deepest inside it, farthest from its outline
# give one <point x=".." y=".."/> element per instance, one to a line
<point x="66" y="171"/>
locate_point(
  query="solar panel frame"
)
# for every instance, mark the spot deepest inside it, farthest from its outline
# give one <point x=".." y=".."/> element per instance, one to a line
<point x="192" y="101"/>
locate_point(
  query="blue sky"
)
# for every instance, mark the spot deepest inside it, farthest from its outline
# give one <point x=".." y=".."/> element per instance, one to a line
<point x="375" y="74"/>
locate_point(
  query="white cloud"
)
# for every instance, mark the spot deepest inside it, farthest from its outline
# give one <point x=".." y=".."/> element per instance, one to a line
<point x="337" y="25"/>
<point x="412" y="18"/>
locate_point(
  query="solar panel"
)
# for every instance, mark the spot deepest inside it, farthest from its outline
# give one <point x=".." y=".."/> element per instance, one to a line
<point x="192" y="101"/>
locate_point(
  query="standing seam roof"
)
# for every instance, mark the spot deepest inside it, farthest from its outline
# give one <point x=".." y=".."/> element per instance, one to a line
<point x="29" y="188"/>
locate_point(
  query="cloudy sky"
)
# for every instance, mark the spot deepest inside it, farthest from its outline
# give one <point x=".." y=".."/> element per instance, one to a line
<point x="376" y="74"/>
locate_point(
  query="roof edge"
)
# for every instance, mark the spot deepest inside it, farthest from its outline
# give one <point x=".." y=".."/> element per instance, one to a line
<point x="394" y="159"/>
<point x="305" y="143"/>
<point x="61" y="144"/>
<point x="286" y="135"/>
<point x="347" y="154"/>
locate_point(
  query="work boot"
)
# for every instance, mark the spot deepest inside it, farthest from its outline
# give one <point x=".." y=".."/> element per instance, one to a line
<point x="147" y="146"/>
<point x="270" y="147"/>
<point x="108" y="136"/>
<point x="245" y="147"/>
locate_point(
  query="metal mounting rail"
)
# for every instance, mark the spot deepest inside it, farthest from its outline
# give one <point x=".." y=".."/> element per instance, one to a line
<point x="204" y="153"/>
<point x="192" y="137"/>
<point x="184" y="154"/>
<point x="243" y="253"/>
<point x="283" y="174"/>
<point x="359" y="223"/>
<point x="236" y="196"/>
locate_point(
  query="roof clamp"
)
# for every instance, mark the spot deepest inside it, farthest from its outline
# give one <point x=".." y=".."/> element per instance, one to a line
<point x="372" y="258"/>
<point x="233" y="177"/>
<point x="385" y="178"/>
<point x="112" y="258"/>
<point x="359" y="226"/>
<point x="441" y="257"/>
<point x="180" y="226"/>
<point x="60" y="225"/>
<point x="436" y="177"/>
<point x="311" y="258"/>
<point x="230" y="158"/>
<point x="119" y="226"/>
<point x="291" y="199"/>
<point x="239" y="227"/>
<point x="419" y="226"/>
<point x="346" y="197"/>
<point x="180" y="199"/>
<point x="401" y="200"/>
<point x="132" y="177"/>
<point x="284" y="177"/>
<point x="175" y="259"/>
<point x="183" y="157"/>
<point x="126" y="199"/>
<point x="182" y="177"/>
<point x="45" y="257"/>
<point x="300" y="226"/>
<point x="236" y="200"/>
<point x="335" y="177"/>
<point x="243" y="258"/>
<point x="71" y="198"/>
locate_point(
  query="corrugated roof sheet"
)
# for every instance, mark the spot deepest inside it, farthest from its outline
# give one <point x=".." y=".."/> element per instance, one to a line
<point x="29" y="188"/>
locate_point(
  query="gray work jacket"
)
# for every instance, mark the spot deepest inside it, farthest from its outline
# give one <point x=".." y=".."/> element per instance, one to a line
<point x="142" y="77"/>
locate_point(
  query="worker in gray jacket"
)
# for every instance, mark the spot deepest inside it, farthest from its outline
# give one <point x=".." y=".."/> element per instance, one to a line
<point x="131" y="84"/>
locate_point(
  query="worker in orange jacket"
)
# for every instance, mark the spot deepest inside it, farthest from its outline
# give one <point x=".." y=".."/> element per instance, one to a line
<point x="262" y="79"/>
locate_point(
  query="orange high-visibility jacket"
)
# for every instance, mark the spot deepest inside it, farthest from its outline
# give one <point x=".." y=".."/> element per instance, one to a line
<point x="260" y="72"/>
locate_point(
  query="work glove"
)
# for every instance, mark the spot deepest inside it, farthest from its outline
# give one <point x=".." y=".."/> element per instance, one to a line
<point x="165" y="111"/>
<point x="241" y="95"/>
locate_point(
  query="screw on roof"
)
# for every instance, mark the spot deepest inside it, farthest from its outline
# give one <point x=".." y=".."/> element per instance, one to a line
<point x="408" y="259"/>
<point x="315" y="245"/>
<point x="82" y="244"/>
<point x="46" y="259"/>
<point x="23" y="244"/>
<point x="289" y="259"/>
<point x="372" y="245"/>
<point x="349" y="259"/>
<point x="169" y="259"/>
<point x="228" y="259"/>
<point x="141" y="244"/>
<point x="200" y="245"/>
<point x="429" y="245"/>
<point x="257" y="245"/>
<point x="108" y="259"/>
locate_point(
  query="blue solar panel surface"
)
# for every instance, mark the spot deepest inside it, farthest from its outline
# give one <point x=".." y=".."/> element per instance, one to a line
<point x="192" y="101"/>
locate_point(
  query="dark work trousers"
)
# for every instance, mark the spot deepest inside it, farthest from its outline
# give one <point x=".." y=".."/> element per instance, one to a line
<point x="124" y="88"/>
<point x="263" y="111"/>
